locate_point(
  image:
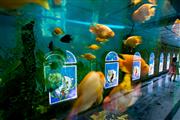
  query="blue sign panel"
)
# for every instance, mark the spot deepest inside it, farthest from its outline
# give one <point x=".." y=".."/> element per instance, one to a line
<point x="112" y="74"/>
<point x="161" y="62"/>
<point x="136" y="70"/>
<point x="168" y="61"/>
<point x="111" y="70"/>
<point x="66" y="80"/>
<point x="151" y="64"/>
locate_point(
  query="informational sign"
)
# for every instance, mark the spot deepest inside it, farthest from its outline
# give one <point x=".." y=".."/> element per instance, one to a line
<point x="136" y="68"/>
<point x="150" y="87"/>
<point x="161" y="61"/>
<point x="111" y="70"/>
<point x="62" y="79"/>
<point x="151" y="64"/>
<point x="168" y="61"/>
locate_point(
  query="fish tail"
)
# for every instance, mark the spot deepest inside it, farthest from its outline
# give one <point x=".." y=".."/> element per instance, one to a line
<point x="43" y="3"/>
<point x="76" y="107"/>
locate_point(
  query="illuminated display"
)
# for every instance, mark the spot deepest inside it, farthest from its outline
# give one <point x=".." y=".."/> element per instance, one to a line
<point x="161" y="61"/>
<point x="151" y="64"/>
<point x="136" y="69"/>
<point x="168" y="61"/>
<point x="111" y="70"/>
<point x="63" y="79"/>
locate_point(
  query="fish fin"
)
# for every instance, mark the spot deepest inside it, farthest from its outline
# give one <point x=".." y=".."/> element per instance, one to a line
<point x="43" y="3"/>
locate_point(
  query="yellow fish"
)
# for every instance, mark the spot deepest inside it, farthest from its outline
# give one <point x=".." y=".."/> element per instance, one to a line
<point x="15" y="4"/>
<point x="88" y="56"/>
<point x="152" y="2"/>
<point x="94" y="47"/>
<point x="133" y="41"/>
<point x="126" y="63"/>
<point x="144" y="13"/>
<point x="102" y="32"/>
<point x="90" y="91"/>
<point x="58" y="31"/>
<point x="135" y="2"/>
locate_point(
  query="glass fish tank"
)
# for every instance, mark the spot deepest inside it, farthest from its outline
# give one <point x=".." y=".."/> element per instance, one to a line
<point x="65" y="59"/>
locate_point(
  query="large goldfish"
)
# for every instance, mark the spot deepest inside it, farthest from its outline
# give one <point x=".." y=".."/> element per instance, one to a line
<point x="119" y="100"/>
<point x="144" y="13"/>
<point x="15" y="4"/>
<point x="126" y="62"/>
<point x="102" y="32"/>
<point x="133" y="41"/>
<point x="90" y="90"/>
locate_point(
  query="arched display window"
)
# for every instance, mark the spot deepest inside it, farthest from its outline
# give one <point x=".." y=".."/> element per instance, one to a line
<point x="151" y="64"/>
<point x="168" y="61"/>
<point x="161" y="61"/>
<point x="111" y="70"/>
<point x="136" y="68"/>
<point x="61" y="77"/>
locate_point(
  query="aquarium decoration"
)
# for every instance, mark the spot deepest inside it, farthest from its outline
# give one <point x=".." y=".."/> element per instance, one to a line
<point x="136" y="69"/>
<point x="62" y="79"/>
<point x="111" y="70"/>
<point x="151" y="64"/>
<point x="168" y="61"/>
<point x="161" y="62"/>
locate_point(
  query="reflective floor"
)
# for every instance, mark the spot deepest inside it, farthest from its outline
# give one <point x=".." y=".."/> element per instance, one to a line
<point x="160" y="100"/>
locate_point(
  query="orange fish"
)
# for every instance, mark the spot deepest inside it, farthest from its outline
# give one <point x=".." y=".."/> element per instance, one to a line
<point x="152" y="2"/>
<point x="94" y="47"/>
<point x="58" y="31"/>
<point x="15" y="4"/>
<point x="88" y="56"/>
<point x="102" y="32"/>
<point x="90" y="91"/>
<point x="144" y="13"/>
<point x="135" y="2"/>
<point x="126" y="63"/>
<point x="133" y="41"/>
